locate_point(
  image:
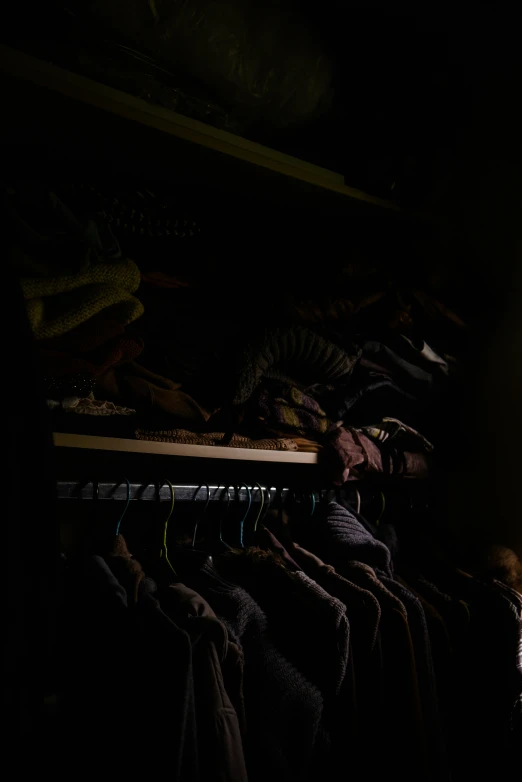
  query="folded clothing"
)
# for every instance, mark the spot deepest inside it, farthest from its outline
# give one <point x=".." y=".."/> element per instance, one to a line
<point x="54" y="315"/>
<point x="121" y="274"/>
<point x="135" y="386"/>
<point x="215" y="438"/>
<point x="413" y="372"/>
<point x="349" y="454"/>
<point x="295" y="356"/>
<point x="58" y="304"/>
<point x="403" y="437"/>
<point x="286" y="409"/>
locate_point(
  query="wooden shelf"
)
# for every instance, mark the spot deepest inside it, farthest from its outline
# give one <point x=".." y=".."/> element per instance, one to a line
<point x="69" y="115"/>
<point x="116" y="444"/>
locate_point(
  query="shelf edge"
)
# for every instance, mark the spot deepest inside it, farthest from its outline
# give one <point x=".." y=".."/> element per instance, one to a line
<point x="101" y="96"/>
<point x="92" y="442"/>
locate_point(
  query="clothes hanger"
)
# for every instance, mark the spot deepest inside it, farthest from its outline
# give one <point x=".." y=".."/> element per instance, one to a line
<point x="242" y="522"/>
<point x="268" y="505"/>
<point x="190" y="559"/>
<point x="261" y="505"/>
<point x="164" y="551"/>
<point x="118" y="525"/>
<point x="159" y="567"/>
<point x="358" y="495"/>
<point x="252" y="531"/>
<point x="383" y="508"/>
<point x="204" y="510"/>
<point x="223" y="546"/>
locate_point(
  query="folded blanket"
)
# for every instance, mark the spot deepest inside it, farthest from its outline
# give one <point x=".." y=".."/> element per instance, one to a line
<point x="215" y="438"/>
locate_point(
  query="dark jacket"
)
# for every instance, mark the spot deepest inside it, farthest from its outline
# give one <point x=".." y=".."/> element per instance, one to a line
<point x="283" y="710"/>
<point x="219" y="736"/>
<point x="127" y="693"/>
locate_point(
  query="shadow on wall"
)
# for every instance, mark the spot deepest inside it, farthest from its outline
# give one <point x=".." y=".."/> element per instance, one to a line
<point x="480" y="200"/>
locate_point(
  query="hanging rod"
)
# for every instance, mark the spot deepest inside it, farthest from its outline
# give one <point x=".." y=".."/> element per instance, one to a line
<point x="103" y="490"/>
<point x="67" y="490"/>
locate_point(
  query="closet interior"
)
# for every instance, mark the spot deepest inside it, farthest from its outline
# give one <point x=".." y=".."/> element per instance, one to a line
<point x="240" y="244"/>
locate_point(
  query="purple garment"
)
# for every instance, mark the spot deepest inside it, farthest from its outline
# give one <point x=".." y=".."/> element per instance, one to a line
<point x="348" y="453"/>
<point x="342" y="537"/>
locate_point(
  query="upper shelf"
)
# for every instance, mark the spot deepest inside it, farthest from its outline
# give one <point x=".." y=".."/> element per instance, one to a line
<point x="62" y="111"/>
<point x="121" y="445"/>
<point x="91" y="458"/>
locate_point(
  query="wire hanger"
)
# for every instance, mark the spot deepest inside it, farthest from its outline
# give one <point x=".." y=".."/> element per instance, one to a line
<point x="242" y="522"/>
<point x="358" y="495"/>
<point x="204" y="510"/>
<point x="118" y="525"/>
<point x="261" y="505"/>
<point x="221" y="540"/>
<point x="269" y="503"/>
<point x="383" y="508"/>
<point x="164" y="551"/>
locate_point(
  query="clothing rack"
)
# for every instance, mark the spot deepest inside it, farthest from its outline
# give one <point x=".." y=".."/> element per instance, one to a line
<point x="192" y="492"/>
<point x="95" y="490"/>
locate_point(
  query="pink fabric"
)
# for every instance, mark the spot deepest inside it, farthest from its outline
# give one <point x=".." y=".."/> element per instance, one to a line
<point x="349" y="454"/>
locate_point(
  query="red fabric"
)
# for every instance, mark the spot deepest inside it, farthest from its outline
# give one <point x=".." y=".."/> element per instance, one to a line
<point x="162" y="280"/>
<point x="94" y="363"/>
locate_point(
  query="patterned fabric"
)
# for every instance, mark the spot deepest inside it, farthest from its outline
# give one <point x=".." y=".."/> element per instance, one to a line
<point x="122" y="274"/>
<point x="284" y="408"/>
<point x="52" y="316"/>
<point x="58" y="304"/>
<point x="402" y="436"/>
<point x="89" y="406"/>
<point x="215" y="438"/>
<point x="296" y="356"/>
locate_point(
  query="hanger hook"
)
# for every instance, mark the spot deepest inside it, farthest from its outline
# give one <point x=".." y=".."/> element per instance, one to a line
<point x="204" y="510"/>
<point x="164" y="551"/>
<point x="358" y="495"/>
<point x="242" y="523"/>
<point x="269" y="503"/>
<point x="118" y="525"/>
<point x="227" y="489"/>
<point x="261" y="506"/>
